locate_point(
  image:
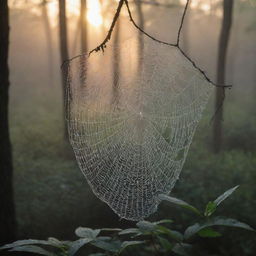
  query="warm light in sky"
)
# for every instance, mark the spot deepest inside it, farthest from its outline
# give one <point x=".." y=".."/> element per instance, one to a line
<point x="94" y="13"/>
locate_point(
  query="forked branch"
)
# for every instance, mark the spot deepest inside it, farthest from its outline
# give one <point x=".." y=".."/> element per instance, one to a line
<point x="102" y="46"/>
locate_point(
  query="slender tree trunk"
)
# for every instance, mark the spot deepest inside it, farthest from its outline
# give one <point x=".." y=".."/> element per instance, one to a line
<point x="141" y="25"/>
<point x="84" y="28"/>
<point x="140" y="50"/>
<point x="7" y="209"/>
<point x="221" y="70"/>
<point x="116" y="65"/>
<point x="84" y="41"/>
<point x="63" y="50"/>
<point x="48" y="36"/>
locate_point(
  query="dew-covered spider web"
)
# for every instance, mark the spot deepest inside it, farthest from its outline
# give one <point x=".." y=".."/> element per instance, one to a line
<point x="131" y="130"/>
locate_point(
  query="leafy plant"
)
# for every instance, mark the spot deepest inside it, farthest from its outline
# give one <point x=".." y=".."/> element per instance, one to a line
<point x="156" y="238"/>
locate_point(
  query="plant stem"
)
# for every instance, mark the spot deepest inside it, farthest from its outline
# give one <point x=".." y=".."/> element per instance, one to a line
<point x="154" y="245"/>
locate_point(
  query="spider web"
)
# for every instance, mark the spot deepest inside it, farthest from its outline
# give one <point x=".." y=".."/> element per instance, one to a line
<point x="131" y="130"/>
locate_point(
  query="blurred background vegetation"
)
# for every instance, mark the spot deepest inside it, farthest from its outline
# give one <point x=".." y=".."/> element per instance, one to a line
<point x="52" y="197"/>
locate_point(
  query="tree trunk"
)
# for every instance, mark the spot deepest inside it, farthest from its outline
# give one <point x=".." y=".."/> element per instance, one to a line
<point x="116" y="65"/>
<point x="221" y="69"/>
<point x="140" y="48"/>
<point x="7" y="210"/>
<point x="63" y="50"/>
<point x="48" y="37"/>
<point x="141" y="25"/>
<point x="84" y="29"/>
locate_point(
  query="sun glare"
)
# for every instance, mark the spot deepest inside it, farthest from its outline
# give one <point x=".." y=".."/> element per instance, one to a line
<point x="94" y="16"/>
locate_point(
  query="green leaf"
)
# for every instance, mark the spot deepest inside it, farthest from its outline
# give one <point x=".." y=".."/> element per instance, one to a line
<point x="54" y="241"/>
<point x="180" y="203"/>
<point x="146" y="226"/>
<point x="163" y="222"/>
<point x="219" y="221"/>
<point x="130" y="231"/>
<point x="212" y="206"/>
<point x="32" y="249"/>
<point x="210" y="209"/>
<point x="130" y="243"/>
<point x="110" y="246"/>
<point x="225" y="195"/>
<point x="165" y="243"/>
<point x="76" y="245"/>
<point x="25" y="242"/>
<point x="87" y="232"/>
<point x="171" y="233"/>
<point x="104" y="238"/>
<point x="208" y="232"/>
<point x="57" y="243"/>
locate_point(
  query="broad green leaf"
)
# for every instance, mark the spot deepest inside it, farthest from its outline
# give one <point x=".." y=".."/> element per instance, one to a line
<point x="171" y="233"/>
<point x="165" y="243"/>
<point x="54" y="241"/>
<point x="57" y="243"/>
<point x="76" y="245"/>
<point x="163" y="222"/>
<point x="179" y="202"/>
<point x="32" y="249"/>
<point x="110" y="246"/>
<point x="219" y="221"/>
<point x="146" y="226"/>
<point x="87" y="232"/>
<point x="210" y="209"/>
<point x="209" y="232"/>
<point x="225" y="195"/>
<point x="104" y="238"/>
<point x="25" y="242"/>
<point x="212" y="206"/>
<point x="130" y="243"/>
<point x="130" y="231"/>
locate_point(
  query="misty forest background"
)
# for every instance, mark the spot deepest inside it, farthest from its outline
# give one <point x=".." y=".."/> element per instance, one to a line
<point x="51" y="196"/>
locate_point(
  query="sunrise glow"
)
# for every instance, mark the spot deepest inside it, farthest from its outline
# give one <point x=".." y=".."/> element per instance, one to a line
<point x="94" y="15"/>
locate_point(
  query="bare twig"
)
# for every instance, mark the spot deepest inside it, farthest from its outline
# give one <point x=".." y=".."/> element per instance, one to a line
<point x="202" y="71"/>
<point x="182" y="22"/>
<point x="102" y="46"/>
<point x="140" y="29"/>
